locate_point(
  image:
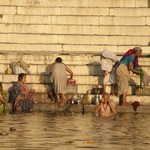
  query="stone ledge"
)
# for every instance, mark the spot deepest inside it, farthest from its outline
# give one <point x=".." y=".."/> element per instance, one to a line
<point x="61" y="52"/>
<point x="88" y="108"/>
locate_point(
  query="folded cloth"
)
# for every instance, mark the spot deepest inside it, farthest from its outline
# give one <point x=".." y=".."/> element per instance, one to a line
<point x="107" y="64"/>
<point x="108" y="54"/>
<point x="21" y="64"/>
<point x="110" y="78"/>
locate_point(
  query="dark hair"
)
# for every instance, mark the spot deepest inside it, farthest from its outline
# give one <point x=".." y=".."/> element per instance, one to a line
<point x="20" y="76"/>
<point x="58" y="59"/>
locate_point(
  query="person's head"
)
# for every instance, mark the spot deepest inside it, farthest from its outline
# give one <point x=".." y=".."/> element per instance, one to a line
<point x="137" y="51"/>
<point x="58" y="60"/>
<point x="22" y="77"/>
<point x="105" y="96"/>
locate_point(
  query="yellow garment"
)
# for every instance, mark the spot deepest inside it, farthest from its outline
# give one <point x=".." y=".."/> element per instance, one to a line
<point x="123" y="77"/>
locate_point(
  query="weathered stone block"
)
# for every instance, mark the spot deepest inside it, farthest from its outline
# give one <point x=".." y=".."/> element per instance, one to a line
<point x="129" y="11"/>
<point x="141" y="3"/>
<point x="75" y="20"/>
<point x="7" y="10"/>
<point x="147" y="20"/>
<point x="9" y="78"/>
<point x="85" y="11"/>
<point x="47" y="11"/>
<point x="131" y="3"/>
<point x="108" y="3"/>
<point x="23" y="19"/>
<point x="29" y="38"/>
<point x="33" y="69"/>
<point x="122" y="20"/>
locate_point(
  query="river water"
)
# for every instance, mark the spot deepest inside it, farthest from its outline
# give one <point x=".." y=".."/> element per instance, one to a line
<point x="74" y="131"/>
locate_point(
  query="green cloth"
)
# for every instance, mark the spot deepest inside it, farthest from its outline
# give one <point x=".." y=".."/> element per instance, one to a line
<point x="3" y="95"/>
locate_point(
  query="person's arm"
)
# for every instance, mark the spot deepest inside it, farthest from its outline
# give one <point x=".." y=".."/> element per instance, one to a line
<point x="2" y="100"/>
<point x="131" y="68"/>
<point x="51" y="67"/>
<point x="112" y="106"/>
<point x="70" y="72"/>
<point x="97" y="109"/>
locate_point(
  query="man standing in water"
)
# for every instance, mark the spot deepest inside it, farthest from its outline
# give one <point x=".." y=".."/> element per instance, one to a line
<point x="106" y="108"/>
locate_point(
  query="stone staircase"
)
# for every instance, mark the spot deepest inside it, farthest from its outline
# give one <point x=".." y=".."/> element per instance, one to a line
<point x="37" y="31"/>
<point x="86" y="68"/>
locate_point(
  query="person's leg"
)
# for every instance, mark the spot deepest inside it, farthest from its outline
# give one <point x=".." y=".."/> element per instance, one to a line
<point x="106" y="80"/>
<point x="104" y="88"/>
<point x="120" y="99"/>
<point x="124" y="99"/>
<point x="63" y="100"/>
<point x="51" y="96"/>
<point x="113" y="89"/>
<point x="58" y="98"/>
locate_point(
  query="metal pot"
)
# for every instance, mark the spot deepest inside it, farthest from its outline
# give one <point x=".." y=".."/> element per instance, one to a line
<point x="96" y="90"/>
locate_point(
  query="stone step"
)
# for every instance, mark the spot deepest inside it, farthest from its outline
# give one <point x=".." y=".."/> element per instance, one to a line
<point x="76" y="3"/>
<point x="81" y="79"/>
<point x="75" y="39"/>
<point x="66" y="48"/>
<point x="42" y="83"/>
<point x="110" y="30"/>
<point x="81" y="88"/>
<point x="83" y="108"/>
<point x="81" y="64"/>
<point x="91" y="69"/>
<point x="75" y="58"/>
<point x="88" y="99"/>
<point x="75" y="20"/>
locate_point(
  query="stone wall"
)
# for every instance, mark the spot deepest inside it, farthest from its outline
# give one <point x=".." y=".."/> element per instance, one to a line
<point x="37" y="31"/>
<point x="74" y="25"/>
<point x="86" y="68"/>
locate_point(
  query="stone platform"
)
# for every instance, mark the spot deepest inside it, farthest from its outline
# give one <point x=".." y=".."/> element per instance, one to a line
<point x="86" y="108"/>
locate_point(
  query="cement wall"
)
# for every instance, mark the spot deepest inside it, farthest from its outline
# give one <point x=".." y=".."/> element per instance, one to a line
<point x="37" y="31"/>
<point x="74" y="25"/>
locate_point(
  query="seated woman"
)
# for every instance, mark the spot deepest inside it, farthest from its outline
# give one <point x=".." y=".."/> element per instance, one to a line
<point x="3" y="98"/>
<point x="20" y="96"/>
<point x="106" y="108"/>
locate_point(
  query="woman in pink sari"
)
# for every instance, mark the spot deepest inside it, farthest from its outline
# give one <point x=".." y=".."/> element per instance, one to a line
<point x="20" y="96"/>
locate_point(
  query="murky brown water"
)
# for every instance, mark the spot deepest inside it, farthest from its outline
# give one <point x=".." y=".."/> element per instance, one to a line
<point x="46" y="131"/>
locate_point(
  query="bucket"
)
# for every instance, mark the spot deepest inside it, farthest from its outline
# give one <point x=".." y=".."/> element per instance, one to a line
<point x="71" y="82"/>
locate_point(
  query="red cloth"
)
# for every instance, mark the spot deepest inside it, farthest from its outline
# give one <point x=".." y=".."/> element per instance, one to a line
<point x="135" y="105"/>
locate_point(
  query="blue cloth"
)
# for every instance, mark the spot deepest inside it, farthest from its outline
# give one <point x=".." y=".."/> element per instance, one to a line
<point x="127" y="60"/>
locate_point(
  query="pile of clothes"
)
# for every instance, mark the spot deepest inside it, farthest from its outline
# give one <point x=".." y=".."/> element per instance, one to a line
<point x="19" y="67"/>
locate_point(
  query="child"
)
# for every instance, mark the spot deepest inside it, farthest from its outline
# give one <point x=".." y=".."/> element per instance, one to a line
<point x="106" y="108"/>
<point x="3" y="98"/>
